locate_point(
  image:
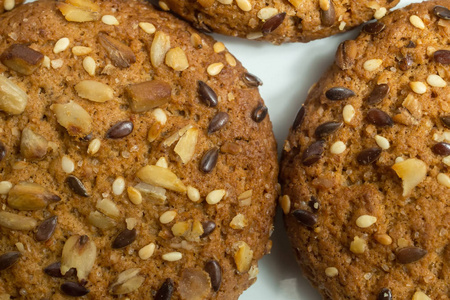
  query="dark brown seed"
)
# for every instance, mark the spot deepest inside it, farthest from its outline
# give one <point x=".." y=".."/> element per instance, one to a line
<point x="379" y="118"/>
<point x="379" y="92"/>
<point x="206" y="94"/>
<point x="373" y="27"/>
<point x="405" y="63"/>
<point x="441" y="149"/>
<point x="120" y="130"/>
<point x="87" y="138"/>
<point x="368" y="156"/>
<point x="299" y="118"/>
<point x="273" y="23"/>
<point x="214" y="270"/>
<point x="409" y="255"/>
<point x="313" y="153"/>
<point x="165" y="291"/>
<point x="124" y="238"/>
<point x="251" y="80"/>
<point x="259" y="113"/>
<point x="209" y="160"/>
<point x="45" y="229"/>
<point x="446" y="121"/>
<point x="328" y="16"/>
<point x="208" y="228"/>
<point x="441" y="12"/>
<point x="8" y="259"/>
<point x="305" y="217"/>
<point x="2" y="151"/>
<point x="314" y="204"/>
<point x="346" y="54"/>
<point x="54" y="270"/>
<point x="218" y="121"/>
<point x="411" y="44"/>
<point x="339" y="93"/>
<point x="326" y="129"/>
<point x="385" y="294"/>
<point x="442" y="57"/>
<point x="73" y="289"/>
<point x="76" y="186"/>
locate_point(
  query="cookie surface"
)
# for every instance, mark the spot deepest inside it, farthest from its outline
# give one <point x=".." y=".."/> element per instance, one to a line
<point x="277" y="21"/>
<point x="136" y="157"/>
<point x="365" y="169"/>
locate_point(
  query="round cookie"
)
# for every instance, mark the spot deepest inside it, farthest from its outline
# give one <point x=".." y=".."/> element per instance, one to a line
<point x="137" y="158"/>
<point x="365" y="169"/>
<point x="277" y="21"/>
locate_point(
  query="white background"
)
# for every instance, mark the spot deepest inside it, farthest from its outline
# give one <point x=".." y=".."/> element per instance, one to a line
<point x="287" y="72"/>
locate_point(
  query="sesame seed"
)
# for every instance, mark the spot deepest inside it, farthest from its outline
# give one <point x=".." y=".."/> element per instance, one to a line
<point x="167" y="216"/>
<point x="436" y="81"/>
<point x="365" y="221"/>
<point x="46" y="62"/>
<point x="285" y="203"/>
<point x="147" y="251"/>
<point x="193" y="194"/>
<point x="5" y="186"/>
<point x="134" y="195"/>
<point x="338" y="147"/>
<point x="61" y="45"/>
<point x="131" y="223"/>
<point x="254" y="35"/>
<point x="172" y="256"/>
<point x="215" y="196"/>
<point x="399" y="159"/>
<point x="230" y="59"/>
<point x="268" y="12"/>
<point x="214" y="69"/>
<point x="94" y="146"/>
<point x="162" y="162"/>
<point x="418" y="87"/>
<point x="444" y="179"/>
<point x="9" y="4"/>
<point x="147" y="27"/>
<point x="244" y="5"/>
<point x="160" y="116"/>
<point x="372" y="64"/>
<point x="417" y="22"/>
<point x="163" y="6"/>
<point x="348" y="113"/>
<point x="380" y="12"/>
<point x="382" y="142"/>
<point x="89" y="65"/>
<point x="218" y="47"/>
<point x="67" y="164"/>
<point x="118" y="186"/>
<point x="331" y="272"/>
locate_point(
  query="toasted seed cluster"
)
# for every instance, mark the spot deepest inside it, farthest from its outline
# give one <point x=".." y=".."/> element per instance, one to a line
<point x="136" y="157"/>
<point x="365" y="169"/>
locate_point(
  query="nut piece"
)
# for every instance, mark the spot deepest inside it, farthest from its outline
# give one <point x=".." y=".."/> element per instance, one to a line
<point x="22" y="59"/>
<point x="243" y="257"/>
<point x="13" y="99"/>
<point x="79" y="252"/>
<point x="358" y="245"/>
<point x="94" y="91"/>
<point x="185" y="147"/>
<point x="30" y="196"/>
<point x="16" y="222"/>
<point x="176" y="59"/>
<point x="74" y="118"/>
<point x="74" y="13"/>
<point x="162" y="177"/>
<point x="159" y="48"/>
<point x="101" y="221"/>
<point x="194" y="284"/>
<point x="120" y="54"/>
<point x="33" y="145"/>
<point x="238" y="222"/>
<point x="155" y="192"/>
<point x="128" y="281"/>
<point x="148" y="95"/>
<point x="412" y="171"/>
<point x="420" y="296"/>
<point x="108" y="207"/>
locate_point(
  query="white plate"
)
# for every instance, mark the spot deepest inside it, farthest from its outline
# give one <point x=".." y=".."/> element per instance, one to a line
<point x="287" y="71"/>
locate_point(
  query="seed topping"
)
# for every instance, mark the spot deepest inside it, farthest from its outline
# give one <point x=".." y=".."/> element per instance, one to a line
<point x="305" y="217"/>
<point x="373" y="27"/>
<point x="299" y="118"/>
<point x="218" y="121"/>
<point x="385" y="294"/>
<point x="378" y="94"/>
<point x="368" y="156"/>
<point x="207" y="94"/>
<point x="442" y="56"/>
<point x="441" y="12"/>
<point x="120" y="130"/>
<point x="379" y="118"/>
<point x="313" y="153"/>
<point x="8" y="259"/>
<point x="259" y="113"/>
<point x="273" y="23"/>
<point x="124" y="238"/>
<point x="209" y="160"/>
<point x="165" y="291"/>
<point x="326" y="129"/>
<point x="339" y="93"/>
<point x="327" y="13"/>
<point x="214" y="270"/>
<point x="76" y="186"/>
<point x="409" y="255"/>
<point x="74" y="289"/>
<point x="46" y="229"/>
<point x="251" y="80"/>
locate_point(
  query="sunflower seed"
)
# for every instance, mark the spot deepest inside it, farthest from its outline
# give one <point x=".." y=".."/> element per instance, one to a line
<point x="373" y="27"/>
<point x="76" y="186"/>
<point x="368" y="156"/>
<point x="378" y="93"/>
<point x="16" y="222"/>
<point x="124" y="238"/>
<point x="442" y="148"/>
<point x="259" y="113"/>
<point x="208" y="228"/>
<point x="441" y="12"/>
<point x="313" y="153"/>
<point x="218" y="121"/>
<point x="120" y="130"/>
<point x="379" y="118"/>
<point x="8" y="259"/>
<point x="305" y="217"/>
<point x="409" y="255"/>
<point x="30" y="196"/>
<point x="46" y="229"/>
<point x="209" y="160"/>
<point x="251" y="80"/>
<point x="165" y="291"/>
<point x="214" y="270"/>
<point x="339" y="93"/>
<point x="73" y="289"/>
<point x="273" y="23"/>
<point x="207" y="94"/>
<point x="326" y="129"/>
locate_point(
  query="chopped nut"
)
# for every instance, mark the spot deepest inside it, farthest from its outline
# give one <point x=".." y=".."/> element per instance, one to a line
<point x="131" y="223"/>
<point x="413" y="106"/>
<point x="94" y="146"/>
<point x="46" y="62"/>
<point x="358" y="245"/>
<point x="79" y="252"/>
<point x="110" y="20"/>
<point x="5" y="186"/>
<point x="382" y="142"/>
<point x="194" y="284"/>
<point x="128" y="281"/>
<point x="13" y="99"/>
<point x="118" y="186"/>
<point x="174" y="137"/>
<point x="79" y="11"/>
<point x="163" y="6"/>
<point x="412" y="172"/>
<point x="420" y="296"/>
<point x="181" y="228"/>
<point x="172" y="256"/>
<point x="372" y="64"/>
<point x="120" y="54"/>
<point x="81" y="50"/>
<point x="245" y="199"/>
<point x="32" y="145"/>
<point x="238" y="222"/>
<point x="16" y="222"/>
<point x="243" y="257"/>
<point x="67" y="164"/>
<point x="214" y="69"/>
<point x="61" y="45"/>
<point x="193" y="194"/>
<point x="30" y="196"/>
<point x="89" y="65"/>
<point x="73" y="117"/>
<point x="418" y="87"/>
<point x="147" y="27"/>
<point x="444" y="179"/>
<point x="160" y="116"/>
<point x="8" y="5"/>
<point x="94" y="91"/>
<point x="215" y="196"/>
<point x="196" y="231"/>
<point x="365" y="221"/>
<point x="159" y="48"/>
<point x="176" y="59"/>
<point x="436" y="81"/>
<point x="162" y="177"/>
<point x="148" y="95"/>
<point x="22" y="59"/>
<point x="380" y="12"/>
<point x="168" y="216"/>
<point x="155" y="192"/>
<point x="162" y="162"/>
<point x="57" y="63"/>
<point x="134" y="195"/>
<point x="331" y="272"/>
<point x="101" y="221"/>
<point x="416" y="22"/>
<point x="108" y="207"/>
<point x="185" y="147"/>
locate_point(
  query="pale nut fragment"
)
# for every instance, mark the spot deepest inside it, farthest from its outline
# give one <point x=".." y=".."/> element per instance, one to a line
<point x="147" y="95"/>
<point x="176" y="59"/>
<point x="13" y="99"/>
<point x="358" y="245"/>
<point x="155" y="192"/>
<point x="162" y="177"/>
<point x="420" y="296"/>
<point x="85" y="4"/>
<point x="32" y="145"/>
<point x="159" y="48"/>
<point x="245" y="199"/>
<point x="444" y="179"/>
<point x="120" y="54"/>
<point x="81" y="50"/>
<point x="331" y="272"/>
<point x="30" y="196"/>
<point x="16" y="222"/>
<point x="185" y="147"/>
<point x="194" y="284"/>
<point x="101" y="221"/>
<point x="134" y="195"/>
<point x="94" y="91"/>
<point x="128" y="281"/>
<point x="243" y="257"/>
<point x="73" y="117"/>
<point x="147" y="27"/>
<point x="196" y="231"/>
<point x="181" y="228"/>
<point x="365" y="221"/>
<point x="174" y="137"/>
<point x="73" y="13"/>
<point x="5" y="186"/>
<point x="108" y="207"/>
<point x="206" y="3"/>
<point x="215" y="196"/>
<point x="162" y="162"/>
<point x="79" y="252"/>
<point x="238" y="222"/>
<point x="412" y="172"/>
<point x="22" y="59"/>
<point x="296" y="3"/>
